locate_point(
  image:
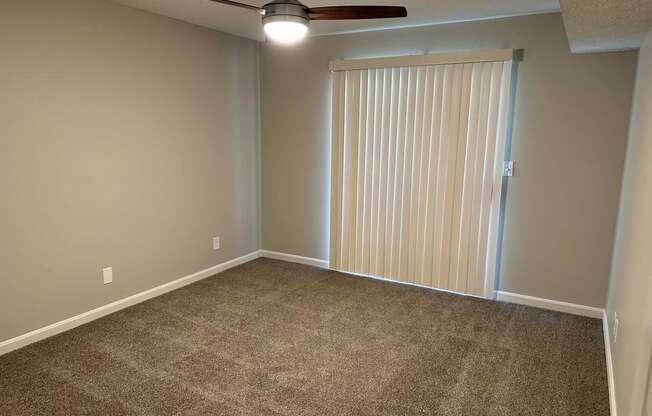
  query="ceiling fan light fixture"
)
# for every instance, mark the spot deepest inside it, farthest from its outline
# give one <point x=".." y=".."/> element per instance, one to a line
<point x="285" y="29"/>
<point x="286" y="21"/>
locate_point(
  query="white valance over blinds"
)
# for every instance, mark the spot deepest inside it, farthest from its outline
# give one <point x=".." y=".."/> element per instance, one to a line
<point x="417" y="171"/>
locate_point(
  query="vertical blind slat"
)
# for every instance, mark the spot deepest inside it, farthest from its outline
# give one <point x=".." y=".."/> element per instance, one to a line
<point x="336" y="174"/>
<point x="433" y="169"/>
<point x="426" y="134"/>
<point x="440" y="196"/>
<point x="367" y="171"/>
<point x="460" y="180"/>
<point x="377" y="269"/>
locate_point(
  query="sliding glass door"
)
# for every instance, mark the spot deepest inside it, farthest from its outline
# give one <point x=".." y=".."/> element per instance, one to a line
<point x="417" y="172"/>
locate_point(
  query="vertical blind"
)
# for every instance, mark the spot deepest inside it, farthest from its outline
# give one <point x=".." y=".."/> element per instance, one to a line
<point x="417" y="157"/>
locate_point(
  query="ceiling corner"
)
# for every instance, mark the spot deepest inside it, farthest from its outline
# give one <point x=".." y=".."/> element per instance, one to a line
<point x="606" y="25"/>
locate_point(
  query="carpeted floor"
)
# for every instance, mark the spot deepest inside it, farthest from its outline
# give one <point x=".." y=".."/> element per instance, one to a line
<point x="274" y="338"/>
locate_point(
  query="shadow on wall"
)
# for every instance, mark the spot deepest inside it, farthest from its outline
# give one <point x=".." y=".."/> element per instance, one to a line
<point x="647" y="408"/>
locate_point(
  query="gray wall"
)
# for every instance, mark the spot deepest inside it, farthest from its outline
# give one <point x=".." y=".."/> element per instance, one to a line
<point x="126" y="140"/>
<point x="631" y="280"/>
<point x="569" y="141"/>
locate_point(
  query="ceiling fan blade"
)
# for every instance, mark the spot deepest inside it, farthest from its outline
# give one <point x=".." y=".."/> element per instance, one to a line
<point x="242" y="5"/>
<point x="356" y="12"/>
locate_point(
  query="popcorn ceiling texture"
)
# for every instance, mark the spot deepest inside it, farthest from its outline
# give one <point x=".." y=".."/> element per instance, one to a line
<point x="606" y="25"/>
<point x="274" y="338"/>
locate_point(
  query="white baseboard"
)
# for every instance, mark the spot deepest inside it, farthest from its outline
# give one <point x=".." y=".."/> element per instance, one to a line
<point x="75" y="321"/>
<point x="610" y="365"/>
<point x="582" y="310"/>
<point x="324" y="264"/>
<point x="553" y="305"/>
<point x="294" y="259"/>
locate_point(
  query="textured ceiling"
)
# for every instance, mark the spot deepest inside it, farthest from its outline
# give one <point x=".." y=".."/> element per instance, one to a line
<point x="606" y="25"/>
<point x="245" y="23"/>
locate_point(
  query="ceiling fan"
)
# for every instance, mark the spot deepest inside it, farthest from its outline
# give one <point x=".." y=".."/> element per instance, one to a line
<point x="287" y="21"/>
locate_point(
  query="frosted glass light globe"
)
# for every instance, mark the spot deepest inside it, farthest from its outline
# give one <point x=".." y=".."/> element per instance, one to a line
<point x="286" y="31"/>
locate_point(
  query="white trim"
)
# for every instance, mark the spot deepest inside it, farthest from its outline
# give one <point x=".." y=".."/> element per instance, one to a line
<point x="439" y="23"/>
<point x="483" y="55"/>
<point x="75" y="321"/>
<point x="294" y="258"/>
<point x="324" y="264"/>
<point x="503" y="127"/>
<point x="553" y="305"/>
<point x="610" y="365"/>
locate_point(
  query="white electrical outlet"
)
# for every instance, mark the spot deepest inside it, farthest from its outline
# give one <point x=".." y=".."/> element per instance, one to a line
<point x="107" y="274"/>
<point x="616" y="325"/>
<point x="216" y="243"/>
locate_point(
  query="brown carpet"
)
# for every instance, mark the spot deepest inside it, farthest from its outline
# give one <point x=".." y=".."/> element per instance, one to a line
<point x="274" y="338"/>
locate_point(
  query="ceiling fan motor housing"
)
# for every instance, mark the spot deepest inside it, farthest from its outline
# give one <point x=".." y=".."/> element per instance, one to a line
<point x="286" y="10"/>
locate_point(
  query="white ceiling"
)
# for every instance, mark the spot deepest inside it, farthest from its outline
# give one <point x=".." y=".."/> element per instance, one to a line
<point x="606" y="25"/>
<point x="246" y="23"/>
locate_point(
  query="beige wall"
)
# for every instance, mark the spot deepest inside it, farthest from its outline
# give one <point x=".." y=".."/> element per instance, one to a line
<point x="630" y="292"/>
<point x="569" y="142"/>
<point x="126" y="140"/>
